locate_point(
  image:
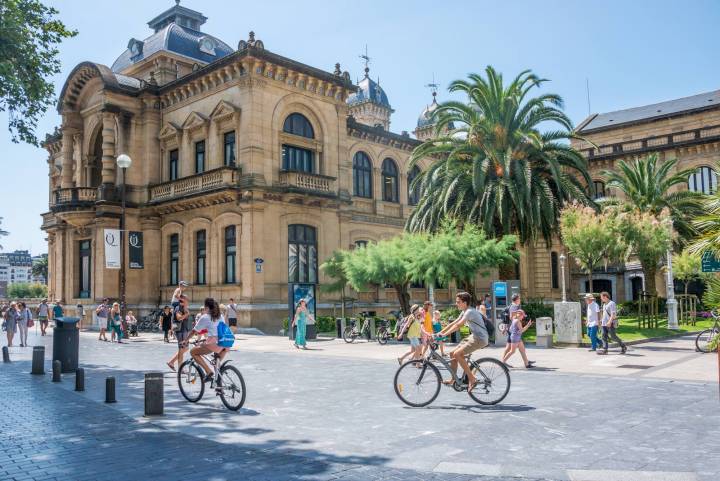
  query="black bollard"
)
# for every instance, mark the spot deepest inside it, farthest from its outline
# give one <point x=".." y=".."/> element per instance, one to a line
<point x="38" y="360"/>
<point x="154" y="395"/>
<point x="80" y="379"/>
<point x="110" y="390"/>
<point x="6" y="354"/>
<point x="57" y="370"/>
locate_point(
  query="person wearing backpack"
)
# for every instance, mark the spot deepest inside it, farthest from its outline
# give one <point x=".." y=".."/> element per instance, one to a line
<point x="507" y="320"/>
<point x="180" y="329"/>
<point x="207" y="325"/>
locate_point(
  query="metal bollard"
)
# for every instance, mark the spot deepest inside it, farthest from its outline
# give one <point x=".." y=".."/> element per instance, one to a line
<point x="6" y="354"/>
<point x="80" y="379"/>
<point x="57" y="371"/>
<point x="110" y="390"/>
<point x="154" y="395"/>
<point x="38" y="360"/>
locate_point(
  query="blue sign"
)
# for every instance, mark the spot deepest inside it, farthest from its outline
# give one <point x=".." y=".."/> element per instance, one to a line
<point x="500" y="289"/>
<point x="258" y="265"/>
<point x="710" y="263"/>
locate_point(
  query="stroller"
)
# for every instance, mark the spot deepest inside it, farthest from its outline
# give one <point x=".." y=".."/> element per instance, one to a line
<point x="131" y="327"/>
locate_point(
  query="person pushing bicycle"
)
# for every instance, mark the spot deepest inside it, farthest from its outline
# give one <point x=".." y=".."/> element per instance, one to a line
<point x="476" y="340"/>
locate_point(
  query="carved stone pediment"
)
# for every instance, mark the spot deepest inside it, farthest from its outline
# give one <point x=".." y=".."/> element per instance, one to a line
<point x="224" y="110"/>
<point x="170" y="131"/>
<point x="195" y="120"/>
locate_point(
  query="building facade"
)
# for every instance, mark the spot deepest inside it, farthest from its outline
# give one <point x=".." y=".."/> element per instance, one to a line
<point x="15" y="268"/>
<point x="686" y="129"/>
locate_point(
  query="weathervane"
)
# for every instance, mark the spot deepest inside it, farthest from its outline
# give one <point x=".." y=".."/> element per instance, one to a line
<point x="366" y="58"/>
<point x="433" y="87"/>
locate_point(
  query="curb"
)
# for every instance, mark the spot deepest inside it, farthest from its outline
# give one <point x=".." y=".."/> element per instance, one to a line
<point x="649" y="339"/>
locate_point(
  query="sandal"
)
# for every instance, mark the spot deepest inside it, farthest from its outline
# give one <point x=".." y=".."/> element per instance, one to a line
<point x="171" y="366"/>
<point x="472" y="386"/>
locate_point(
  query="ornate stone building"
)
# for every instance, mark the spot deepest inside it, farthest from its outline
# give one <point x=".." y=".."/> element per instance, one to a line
<point x="687" y="129"/>
<point x="239" y="155"/>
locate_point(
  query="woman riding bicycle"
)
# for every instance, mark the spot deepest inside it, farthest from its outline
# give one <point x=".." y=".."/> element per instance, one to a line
<point x="207" y="324"/>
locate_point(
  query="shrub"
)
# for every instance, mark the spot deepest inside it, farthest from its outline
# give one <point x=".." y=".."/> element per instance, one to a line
<point x="23" y="290"/>
<point x="536" y="307"/>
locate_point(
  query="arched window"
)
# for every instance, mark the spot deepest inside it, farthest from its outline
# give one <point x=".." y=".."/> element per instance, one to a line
<point x="362" y="175"/>
<point x="598" y="189"/>
<point x="413" y="193"/>
<point x="298" y="124"/>
<point x="389" y="180"/>
<point x="302" y="254"/>
<point x="230" y="254"/>
<point x="294" y="157"/>
<point x="703" y="180"/>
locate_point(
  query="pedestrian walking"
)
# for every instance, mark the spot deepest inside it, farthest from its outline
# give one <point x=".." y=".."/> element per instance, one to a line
<point x="232" y="309"/>
<point x="507" y="320"/>
<point x="413" y="330"/>
<point x="487" y="302"/>
<point x="427" y="326"/>
<point x="610" y="324"/>
<point x="437" y="326"/>
<point x="10" y="320"/>
<point x="131" y="322"/>
<point x="516" y="343"/>
<point x="166" y="322"/>
<point x="299" y="322"/>
<point x="43" y="311"/>
<point x="181" y="327"/>
<point x="58" y="312"/>
<point x="115" y="323"/>
<point x="592" y="321"/>
<point x="80" y="310"/>
<point x="103" y="315"/>
<point x="24" y="322"/>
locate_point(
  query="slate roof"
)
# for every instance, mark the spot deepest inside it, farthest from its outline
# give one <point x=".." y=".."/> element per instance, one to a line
<point x="651" y="112"/>
<point x="176" y="39"/>
<point x="369" y="91"/>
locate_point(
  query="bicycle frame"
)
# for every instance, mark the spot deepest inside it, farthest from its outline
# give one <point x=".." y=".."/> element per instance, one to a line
<point x="457" y="380"/>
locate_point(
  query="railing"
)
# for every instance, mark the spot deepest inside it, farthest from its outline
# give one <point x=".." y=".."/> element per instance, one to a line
<point x="309" y="182"/>
<point x="364" y="205"/>
<point x="677" y="139"/>
<point x="210" y="180"/>
<point x="75" y="195"/>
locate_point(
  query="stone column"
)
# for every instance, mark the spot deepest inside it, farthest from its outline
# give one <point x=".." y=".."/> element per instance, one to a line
<point x="66" y="174"/>
<point x="108" y="155"/>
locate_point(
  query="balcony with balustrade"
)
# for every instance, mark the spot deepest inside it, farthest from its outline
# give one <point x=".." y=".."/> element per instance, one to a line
<point x="198" y="184"/>
<point x="305" y="182"/>
<point x="73" y="198"/>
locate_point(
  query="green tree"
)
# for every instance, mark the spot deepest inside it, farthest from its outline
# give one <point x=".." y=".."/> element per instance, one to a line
<point x="3" y="233"/>
<point x="687" y="267"/>
<point x="24" y="290"/>
<point x="29" y="36"/>
<point x="494" y="166"/>
<point x="454" y="254"/>
<point x="40" y="267"/>
<point x="591" y="238"/>
<point x="650" y="187"/>
<point x="333" y="269"/>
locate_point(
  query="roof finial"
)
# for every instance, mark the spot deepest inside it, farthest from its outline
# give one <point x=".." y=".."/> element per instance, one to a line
<point x="177" y="2"/>
<point x="433" y="87"/>
<point x="366" y="58"/>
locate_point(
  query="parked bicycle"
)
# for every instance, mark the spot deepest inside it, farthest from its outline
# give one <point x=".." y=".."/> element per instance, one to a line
<point x="151" y="322"/>
<point x="352" y="331"/>
<point x="417" y="382"/>
<point x="703" y="340"/>
<point x="227" y="381"/>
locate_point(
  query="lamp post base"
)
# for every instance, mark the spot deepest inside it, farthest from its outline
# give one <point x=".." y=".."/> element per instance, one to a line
<point x="672" y="311"/>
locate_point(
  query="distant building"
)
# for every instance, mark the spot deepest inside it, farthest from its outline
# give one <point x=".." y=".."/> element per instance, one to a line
<point x="15" y="267"/>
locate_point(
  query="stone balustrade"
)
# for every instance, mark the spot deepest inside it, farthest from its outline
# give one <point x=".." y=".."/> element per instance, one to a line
<point x="75" y="195"/>
<point x="307" y="182"/>
<point x="210" y="180"/>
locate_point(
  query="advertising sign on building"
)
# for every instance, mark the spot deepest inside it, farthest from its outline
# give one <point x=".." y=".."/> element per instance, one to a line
<point x="112" y="248"/>
<point x="135" y="240"/>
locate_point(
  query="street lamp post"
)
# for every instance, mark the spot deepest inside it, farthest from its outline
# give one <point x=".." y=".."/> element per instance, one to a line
<point x="562" y="275"/>
<point x="123" y="162"/>
<point x="671" y="303"/>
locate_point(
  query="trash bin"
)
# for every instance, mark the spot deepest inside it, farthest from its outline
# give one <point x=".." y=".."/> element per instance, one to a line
<point x="66" y="343"/>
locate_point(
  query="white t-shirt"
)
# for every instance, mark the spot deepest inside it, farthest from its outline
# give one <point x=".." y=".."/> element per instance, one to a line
<point x="232" y="311"/>
<point x="206" y="325"/>
<point x="592" y="314"/>
<point x="608" y="310"/>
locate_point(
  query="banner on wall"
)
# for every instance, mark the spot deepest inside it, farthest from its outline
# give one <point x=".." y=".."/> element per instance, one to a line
<point x="112" y="248"/>
<point x="135" y="240"/>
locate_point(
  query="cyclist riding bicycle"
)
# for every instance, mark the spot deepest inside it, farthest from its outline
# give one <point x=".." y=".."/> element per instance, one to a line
<point x="207" y="324"/>
<point x="476" y="340"/>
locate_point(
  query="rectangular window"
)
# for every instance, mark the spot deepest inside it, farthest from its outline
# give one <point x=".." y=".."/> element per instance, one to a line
<point x="200" y="157"/>
<point x="230" y="253"/>
<point x="174" y="164"/>
<point x="297" y="159"/>
<point x="554" y="270"/>
<point x="85" y="269"/>
<point x="200" y="256"/>
<point x="174" y="259"/>
<point x="229" y="150"/>
<point x="302" y="254"/>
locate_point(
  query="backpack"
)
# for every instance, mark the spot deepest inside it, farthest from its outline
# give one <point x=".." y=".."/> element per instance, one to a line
<point x="178" y="326"/>
<point x="225" y="336"/>
<point x="489" y="326"/>
<point x="506" y="316"/>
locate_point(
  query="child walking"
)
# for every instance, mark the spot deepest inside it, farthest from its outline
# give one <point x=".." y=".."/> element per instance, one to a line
<point x="516" y="343"/>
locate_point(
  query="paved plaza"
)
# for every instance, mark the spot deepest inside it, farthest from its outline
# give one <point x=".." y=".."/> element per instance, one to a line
<point x="331" y="413"/>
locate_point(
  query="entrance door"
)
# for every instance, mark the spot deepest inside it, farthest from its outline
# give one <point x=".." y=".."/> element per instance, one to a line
<point x="636" y="284"/>
<point x="599" y="285"/>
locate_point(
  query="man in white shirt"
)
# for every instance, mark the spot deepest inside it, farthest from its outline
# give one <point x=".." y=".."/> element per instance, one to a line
<point x="232" y="314"/>
<point x="609" y="324"/>
<point x="592" y="321"/>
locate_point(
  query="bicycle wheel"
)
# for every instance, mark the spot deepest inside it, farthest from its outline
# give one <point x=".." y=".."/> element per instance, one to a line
<point x="382" y="336"/>
<point x="190" y="379"/>
<point x="702" y="341"/>
<point x="348" y="335"/>
<point x="493" y="381"/>
<point x="417" y="383"/>
<point x="232" y="387"/>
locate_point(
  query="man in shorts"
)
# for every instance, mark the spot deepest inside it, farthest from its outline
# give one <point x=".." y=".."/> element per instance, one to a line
<point x="180" y="326"/>
<point x="43" y="311"/>
<point x="476" y="340"/>
<point x="232" y="315"/>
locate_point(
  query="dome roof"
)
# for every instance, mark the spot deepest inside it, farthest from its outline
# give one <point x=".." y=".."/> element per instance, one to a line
<point x="369" y="91"/>
<point x="177" y="30"/>
<point x="425" y="119"/>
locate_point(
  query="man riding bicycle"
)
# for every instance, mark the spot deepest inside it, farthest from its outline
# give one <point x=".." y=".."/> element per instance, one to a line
<point x="207" y="324"/>
<point x="476" y="340"/>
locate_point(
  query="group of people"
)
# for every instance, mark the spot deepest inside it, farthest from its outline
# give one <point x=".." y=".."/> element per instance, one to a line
<point x="606" y="324"/>
<point x="18" y="317"/>
<point x="110" y="319"/>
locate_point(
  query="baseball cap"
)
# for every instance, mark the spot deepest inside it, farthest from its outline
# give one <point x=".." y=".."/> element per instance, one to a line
<point x="184" y="283"/>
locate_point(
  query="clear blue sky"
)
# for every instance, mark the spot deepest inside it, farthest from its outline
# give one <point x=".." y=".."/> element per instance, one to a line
<point x="633" y="52"/>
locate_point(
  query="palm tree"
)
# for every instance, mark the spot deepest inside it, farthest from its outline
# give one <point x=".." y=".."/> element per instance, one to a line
<point x="648" y="187"/>
<point x="494" y="166"/>
<point x="3" y="233"/>
<point x="40" y="267"/>
<point x="707" y="226"/>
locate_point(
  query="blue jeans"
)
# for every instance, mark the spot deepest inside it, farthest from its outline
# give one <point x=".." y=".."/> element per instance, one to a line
<point x="592" y="333"/>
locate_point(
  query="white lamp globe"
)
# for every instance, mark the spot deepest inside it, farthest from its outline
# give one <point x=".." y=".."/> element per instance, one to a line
<point x="124" y="161"/>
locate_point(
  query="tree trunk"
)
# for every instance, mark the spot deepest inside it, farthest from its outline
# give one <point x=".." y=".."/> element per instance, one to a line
<point x="507" y="271"/>
<point x="403" y="298"/>
<point x="687" y="284"/>
<point x="590" y="282"/>
<point x="650" y="270"/>
<point x="469" y="287"/>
